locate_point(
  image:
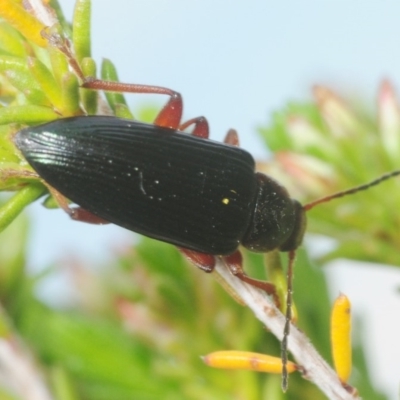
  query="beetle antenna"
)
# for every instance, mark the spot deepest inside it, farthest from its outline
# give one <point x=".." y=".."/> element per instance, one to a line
<point x="288" y="318"/>
<point x="356" y="189"/>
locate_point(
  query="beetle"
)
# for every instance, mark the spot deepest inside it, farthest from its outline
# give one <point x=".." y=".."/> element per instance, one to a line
<point x="194" y="193"/>
<point x="203" y="196"/>
<point x="200" y="195"/>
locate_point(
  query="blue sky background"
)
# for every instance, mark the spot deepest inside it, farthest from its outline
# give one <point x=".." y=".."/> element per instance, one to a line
<point x="235" y="63"/>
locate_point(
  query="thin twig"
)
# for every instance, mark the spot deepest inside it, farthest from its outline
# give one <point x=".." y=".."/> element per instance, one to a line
<point x="315" y="367"/>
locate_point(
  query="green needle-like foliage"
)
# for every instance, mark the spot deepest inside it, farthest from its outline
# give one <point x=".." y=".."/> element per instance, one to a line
<point x="326" y="147"/>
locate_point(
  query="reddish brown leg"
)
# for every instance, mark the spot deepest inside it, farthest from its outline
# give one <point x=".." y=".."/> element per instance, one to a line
<point x="82" y="215"/>
<point x="171" y="114"/>
<point x="235" y="265"/>
<point x="232" y="138"/>
<point x="75" y="213"/>
<point x="201" y="128"/>
<point x="206" y="262"/>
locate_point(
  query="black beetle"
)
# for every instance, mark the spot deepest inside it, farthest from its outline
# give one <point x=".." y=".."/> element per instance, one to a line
<point x="194" y="193"/>
<point x="202" y="196"/>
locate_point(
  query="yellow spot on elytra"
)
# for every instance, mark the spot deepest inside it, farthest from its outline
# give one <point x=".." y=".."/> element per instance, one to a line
<point x="225" y="201"/>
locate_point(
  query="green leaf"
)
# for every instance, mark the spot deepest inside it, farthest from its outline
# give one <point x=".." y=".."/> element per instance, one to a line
<point x="13" y="207"/>
<point x="10" y="41"/>
<point x="27" y="114"/>
<point x="109" y="73"/>
<point x="81" y="29"/>
<point x="16" y="71"/>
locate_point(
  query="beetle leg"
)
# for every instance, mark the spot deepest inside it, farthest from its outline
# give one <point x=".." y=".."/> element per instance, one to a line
<point x="232" y="138"/>
<point x="171" y="114"/>
<point x="82" y="215"/>
<point x="201" y="128"/>
<point x="235" y="264"/>
<point x="75" y="213"/>
<point x="206" y="262"/>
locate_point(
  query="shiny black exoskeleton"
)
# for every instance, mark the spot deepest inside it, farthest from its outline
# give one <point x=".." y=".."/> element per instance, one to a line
<point x="195" y="193"/>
